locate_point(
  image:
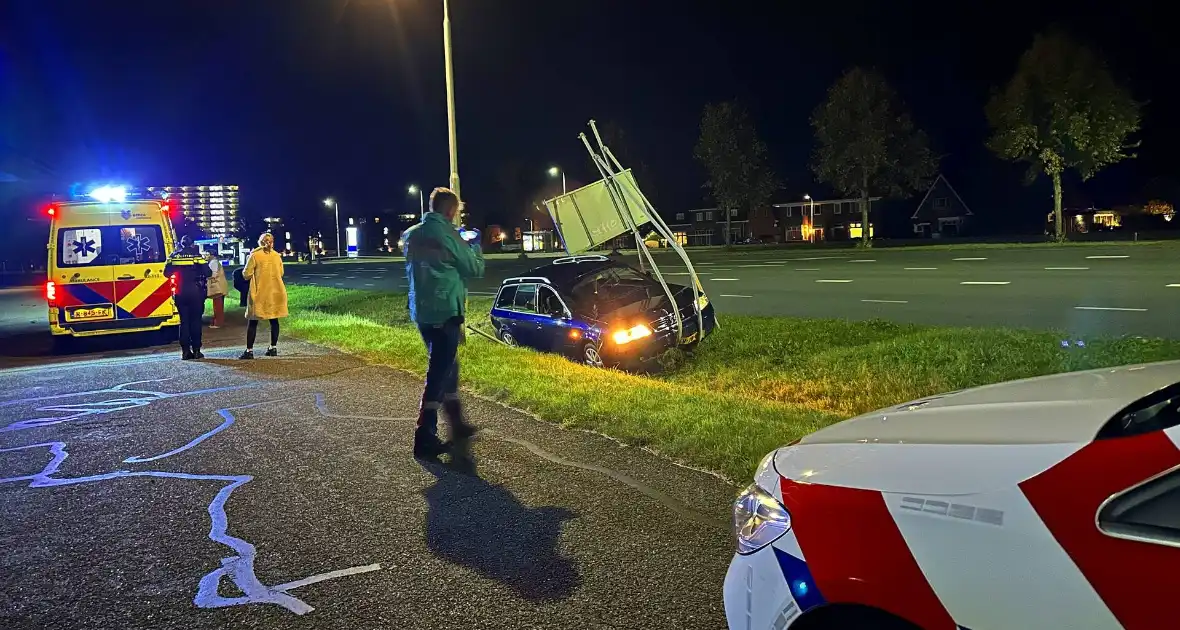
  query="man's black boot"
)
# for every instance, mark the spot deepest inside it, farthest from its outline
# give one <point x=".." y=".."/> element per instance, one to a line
<point x="427" y="446"/>
<point x="186" y="353"/>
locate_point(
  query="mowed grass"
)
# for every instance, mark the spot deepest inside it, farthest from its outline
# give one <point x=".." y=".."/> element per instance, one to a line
<point x="756" y="384"/>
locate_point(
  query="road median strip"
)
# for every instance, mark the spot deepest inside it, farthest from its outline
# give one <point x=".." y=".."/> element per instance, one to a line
<point x="756" y="384"/>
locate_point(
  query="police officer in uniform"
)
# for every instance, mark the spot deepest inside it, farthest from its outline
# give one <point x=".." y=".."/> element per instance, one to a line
<point x="189" y="273"/>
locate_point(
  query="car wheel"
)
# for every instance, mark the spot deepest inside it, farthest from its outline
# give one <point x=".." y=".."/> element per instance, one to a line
<point x="507" y="338"/>
<point x="590" y="355"/>
<point x="850" y="617"/>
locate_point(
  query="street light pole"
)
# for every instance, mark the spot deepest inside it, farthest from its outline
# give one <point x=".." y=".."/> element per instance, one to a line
<point x="332" y="202"/>
<point x="811" y="216"/>
<point x="421" y="200"/>
<point x="553" y="171"/>
<point x="451" y="103"/>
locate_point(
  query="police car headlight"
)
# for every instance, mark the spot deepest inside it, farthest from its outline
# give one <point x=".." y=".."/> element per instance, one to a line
<point x="758" y="519"/>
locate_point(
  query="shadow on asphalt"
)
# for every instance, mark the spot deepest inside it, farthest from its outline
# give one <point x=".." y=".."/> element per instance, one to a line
<point x="482" y="526"/>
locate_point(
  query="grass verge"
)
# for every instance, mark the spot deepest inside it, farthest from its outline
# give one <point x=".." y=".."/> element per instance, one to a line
<point x="758" y="383"/>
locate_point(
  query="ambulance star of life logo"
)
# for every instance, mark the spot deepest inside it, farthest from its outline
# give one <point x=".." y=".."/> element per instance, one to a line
<point x="139" y="244"/>
<point x="84" y="247"/>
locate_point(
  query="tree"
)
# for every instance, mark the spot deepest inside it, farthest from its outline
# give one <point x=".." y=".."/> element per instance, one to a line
<point x="1062" y="109"/>
<point x="867" y="143"/>
<point x="1158" y="207"/>
<point x="736" y="159"/>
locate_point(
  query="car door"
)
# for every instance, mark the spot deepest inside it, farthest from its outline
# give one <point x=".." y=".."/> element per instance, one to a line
<point x="84" y="274"/>
<point x="551" y="327"/>
<point x="141" y="289"/>
<point x="523" y="325"/>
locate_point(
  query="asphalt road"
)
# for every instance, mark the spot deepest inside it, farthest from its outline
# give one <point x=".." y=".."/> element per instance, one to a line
<point x="1086" y="290"/>
<point x="139" y="491"/>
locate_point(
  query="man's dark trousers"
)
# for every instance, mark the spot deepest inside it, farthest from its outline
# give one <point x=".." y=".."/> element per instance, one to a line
<point x="191" y="311"/>
<point x="442" y="375"/>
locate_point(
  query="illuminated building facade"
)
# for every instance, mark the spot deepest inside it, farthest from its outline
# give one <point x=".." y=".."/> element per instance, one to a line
<point x="213" y="208"/>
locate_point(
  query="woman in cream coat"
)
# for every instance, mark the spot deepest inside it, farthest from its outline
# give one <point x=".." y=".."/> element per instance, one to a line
<point x="267" y="298"/>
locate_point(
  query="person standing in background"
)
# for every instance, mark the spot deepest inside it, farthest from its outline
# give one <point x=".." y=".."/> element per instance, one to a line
<point x="267" y="297"/>
<point x="189" y="272"/>
<point x="218" y="289"/>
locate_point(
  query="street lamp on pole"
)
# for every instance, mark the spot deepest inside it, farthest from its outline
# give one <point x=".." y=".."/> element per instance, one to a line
<point x="415" y="190"/>
<point x="811" y="215"/>
<point x="330" y="202"/>
<point x="454" y="150"/>
<point x="554" y="172"/>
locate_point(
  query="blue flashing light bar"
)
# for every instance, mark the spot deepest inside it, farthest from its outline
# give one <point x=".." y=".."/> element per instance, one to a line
<point x="111" y="194"/>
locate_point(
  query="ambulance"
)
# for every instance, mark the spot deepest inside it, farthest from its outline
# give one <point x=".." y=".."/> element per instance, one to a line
<point x="107" y="251"/>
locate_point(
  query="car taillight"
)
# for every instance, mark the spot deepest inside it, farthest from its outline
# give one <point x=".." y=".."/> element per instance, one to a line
<point x="51" y="292"/>
<point x="51" y="210"/>
<point x="172" y="281"/>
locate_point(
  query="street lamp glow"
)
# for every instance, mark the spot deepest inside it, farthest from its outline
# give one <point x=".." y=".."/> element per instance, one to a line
<point x="413" y="190"/>
<point x="554" y="172"/>
<point x="328" y="202"/>
<point x="806" y="197"/>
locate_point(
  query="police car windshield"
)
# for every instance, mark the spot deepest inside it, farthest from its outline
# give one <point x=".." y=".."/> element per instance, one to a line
<point x="110" y="245"/>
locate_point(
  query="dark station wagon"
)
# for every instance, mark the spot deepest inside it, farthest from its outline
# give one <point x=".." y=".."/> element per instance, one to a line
<point x="597" y="311"/>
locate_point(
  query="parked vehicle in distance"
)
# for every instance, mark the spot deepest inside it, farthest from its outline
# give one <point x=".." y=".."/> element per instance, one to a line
<point x="598" y="311"/>
<point x="1050" y="502"/>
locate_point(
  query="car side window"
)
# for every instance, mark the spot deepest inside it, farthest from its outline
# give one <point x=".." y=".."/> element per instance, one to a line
<point x="550" y="304"/>
<point x="526" y="298"/>
<point x="1149" y="512"/>
<point x="506" y="297"/>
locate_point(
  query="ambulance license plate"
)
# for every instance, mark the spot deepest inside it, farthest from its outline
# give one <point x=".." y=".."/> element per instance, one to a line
<point x="90" y="313"/>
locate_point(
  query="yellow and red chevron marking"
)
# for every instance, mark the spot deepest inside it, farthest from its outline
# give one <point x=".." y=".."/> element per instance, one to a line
<point x="150" y="297"/>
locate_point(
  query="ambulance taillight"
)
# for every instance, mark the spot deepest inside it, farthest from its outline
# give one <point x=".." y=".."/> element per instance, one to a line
<point x="51" y="210"/>
<point x="51" y="292"/>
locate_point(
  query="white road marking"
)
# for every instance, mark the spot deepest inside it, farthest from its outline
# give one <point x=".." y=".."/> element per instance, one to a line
<point x="1066" y="268"/>
<point x="339" y="284"/>
<point x="1105" y="257"/>
<point x="760" y="265"/>
<point x="921" y="268"/>
<point x="326" y="576"/>
<point x="1110" y="308"/>
<point x="863" y="260"/>
<point x="807" y="269"/>
<point x="810" y="258"/>
<point x="707" y="263"/>
<point x="887" y="301"/>
<point x="724" y="279"/>
<point x="840" y="281"/>
<point x="1174" y="286"/>
<point x="985" y="282"/>
<point x="369" y="284"/>
<point x="970" y="259"/>
<point x="720" y="269"/>
<point x="735" y="296"/>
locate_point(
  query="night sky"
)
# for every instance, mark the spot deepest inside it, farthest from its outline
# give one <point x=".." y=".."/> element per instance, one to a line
<point x="296" y="100"/>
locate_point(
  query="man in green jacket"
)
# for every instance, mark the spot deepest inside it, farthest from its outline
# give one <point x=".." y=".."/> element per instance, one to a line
<point x="439" y="261"/>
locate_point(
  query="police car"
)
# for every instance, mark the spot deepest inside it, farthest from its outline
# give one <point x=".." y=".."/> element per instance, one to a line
<point x="1051" y="502"/>
<point x="107" y="250"/>
<point x="599" y="312"/>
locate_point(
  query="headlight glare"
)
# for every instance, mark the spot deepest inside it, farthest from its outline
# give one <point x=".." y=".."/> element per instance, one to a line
<point x="627" y="335"/>
<point x="758" y="519"/>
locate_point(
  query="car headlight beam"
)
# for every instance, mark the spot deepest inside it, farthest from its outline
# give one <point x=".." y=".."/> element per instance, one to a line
<point x="758" y="519"/>
<point x="627" y="335"/>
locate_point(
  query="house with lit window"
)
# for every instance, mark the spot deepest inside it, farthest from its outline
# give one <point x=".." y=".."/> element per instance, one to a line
<point x="815" y="220"/>
<point x="942" y="212"/>
<point x="706" y="226"/>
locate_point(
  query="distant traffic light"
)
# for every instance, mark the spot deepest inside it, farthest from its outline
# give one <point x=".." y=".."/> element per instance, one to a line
<point x="516" y="234"/>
